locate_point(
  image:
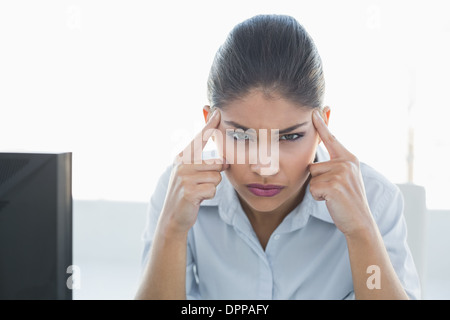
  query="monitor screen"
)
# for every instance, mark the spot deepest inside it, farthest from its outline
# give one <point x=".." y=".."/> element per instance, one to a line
<point x="35" y="225"/>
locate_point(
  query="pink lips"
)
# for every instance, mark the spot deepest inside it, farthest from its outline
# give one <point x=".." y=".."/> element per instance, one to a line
<point x="264" y="190"/>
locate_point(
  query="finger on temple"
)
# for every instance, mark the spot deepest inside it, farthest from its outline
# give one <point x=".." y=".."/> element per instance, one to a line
<point x="334" y="147"/>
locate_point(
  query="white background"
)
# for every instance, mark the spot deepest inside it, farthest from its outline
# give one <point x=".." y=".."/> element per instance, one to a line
<point x="122" y="84"/>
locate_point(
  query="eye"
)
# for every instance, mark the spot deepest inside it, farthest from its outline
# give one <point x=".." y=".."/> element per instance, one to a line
<point x="240" y="136"/>
<point x="292" y="136"/>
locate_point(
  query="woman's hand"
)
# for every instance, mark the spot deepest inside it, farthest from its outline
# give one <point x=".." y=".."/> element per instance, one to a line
<point x="339" y="182"/>
<point x="192" y="180"/>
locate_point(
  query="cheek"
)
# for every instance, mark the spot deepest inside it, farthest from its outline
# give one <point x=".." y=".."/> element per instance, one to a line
<point x="297" y="158"/>
<point x="296" y="161"/>
<point x="237" y="174"/>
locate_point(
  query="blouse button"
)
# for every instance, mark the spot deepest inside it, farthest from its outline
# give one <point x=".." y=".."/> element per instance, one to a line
<point x="277" y="236"/>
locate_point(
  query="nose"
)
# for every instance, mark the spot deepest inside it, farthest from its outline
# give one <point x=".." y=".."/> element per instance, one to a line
<point x="265" y="165"/>
<point x="267" y="155"/>
<point x="265" y="169"/>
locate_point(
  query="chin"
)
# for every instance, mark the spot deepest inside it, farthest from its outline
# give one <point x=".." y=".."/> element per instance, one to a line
<point x="260" y="207"/>
<point x="262" y="204"/>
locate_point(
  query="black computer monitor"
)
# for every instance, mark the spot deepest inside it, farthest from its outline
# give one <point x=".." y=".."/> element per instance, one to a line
<point x="35" y="225"/>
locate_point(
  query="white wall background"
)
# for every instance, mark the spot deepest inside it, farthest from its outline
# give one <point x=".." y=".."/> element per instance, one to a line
<point x="122" y="84"/>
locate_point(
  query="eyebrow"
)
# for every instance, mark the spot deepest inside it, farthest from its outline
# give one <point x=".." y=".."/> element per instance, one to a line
<point x="239" y="126"/>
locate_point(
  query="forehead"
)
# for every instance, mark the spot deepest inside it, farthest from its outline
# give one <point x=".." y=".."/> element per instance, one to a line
<point x="257" y="110"/>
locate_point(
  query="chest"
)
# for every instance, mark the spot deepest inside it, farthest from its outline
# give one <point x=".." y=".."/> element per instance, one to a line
<point x="308" y="263"/>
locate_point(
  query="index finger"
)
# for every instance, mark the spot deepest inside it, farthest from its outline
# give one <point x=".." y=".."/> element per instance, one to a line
<point x="334" y="147"/>
<point x="207" y="131"/>
<point x="193" y="151"/>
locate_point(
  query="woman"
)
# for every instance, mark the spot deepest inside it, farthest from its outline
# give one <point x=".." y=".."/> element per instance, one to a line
<point x="307" y="224"/>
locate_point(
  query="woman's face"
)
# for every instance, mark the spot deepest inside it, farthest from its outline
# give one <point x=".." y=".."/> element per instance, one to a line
<point x="296" y="149"/>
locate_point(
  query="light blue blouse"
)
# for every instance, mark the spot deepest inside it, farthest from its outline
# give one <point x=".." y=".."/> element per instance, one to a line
<point x="306" y="257"/>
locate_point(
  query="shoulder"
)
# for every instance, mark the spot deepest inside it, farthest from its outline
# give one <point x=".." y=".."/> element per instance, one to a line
<point x="165" y="176"/>
<point x="382" y="194"/>
<point x="376" y="179"/>
<point x="159" y="194"/>
<point x="163" y="181"/>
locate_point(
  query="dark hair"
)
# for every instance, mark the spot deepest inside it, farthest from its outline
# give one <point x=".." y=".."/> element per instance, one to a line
<point x="273" y="53"/>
